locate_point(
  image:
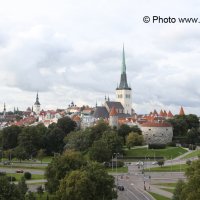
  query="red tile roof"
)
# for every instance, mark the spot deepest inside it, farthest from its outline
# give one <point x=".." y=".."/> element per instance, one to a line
<point x="113" y="112"/>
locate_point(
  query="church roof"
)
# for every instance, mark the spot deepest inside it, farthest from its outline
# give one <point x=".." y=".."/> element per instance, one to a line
<point x="115" y="104"/>
<point x="101" y="112"/>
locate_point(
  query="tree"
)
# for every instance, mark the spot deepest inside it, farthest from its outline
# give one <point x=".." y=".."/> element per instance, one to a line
<point x="8" y="190"/>
<point x="134" y="139"/>
<point x="191" y="190"/>
<point x="79" y="140"/>
<point x="30" y="140"/>
<point x="54" y="140"/>
<point x="60" y="166"/>
<point x="192" y="121"/>
<point x="113" y="141"/>
<point x="27" y="175"/>
<point x="30" y="196"/>
<point x="41" y="154"/>
<point x="99" y="129"/>
<point x="66" y="125"/>
<point x="88" y="183"/>
<point x="177" y="195"/>
<point x="123" y="131"/>
<point x="100" y="151"/>
<point x="9" y="136"/>
<point x="40" y="191"/>
<point x="22" y="187"/>
<point x="193" y="136"/>
<point x="20" y="153"/>
<point x="161" y="162"/>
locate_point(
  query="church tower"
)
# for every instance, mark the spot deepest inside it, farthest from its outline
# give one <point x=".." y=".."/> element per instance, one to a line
<point x="123" y="91"/>
<point x="4" y="110"/>
<point x="37" y="105"/>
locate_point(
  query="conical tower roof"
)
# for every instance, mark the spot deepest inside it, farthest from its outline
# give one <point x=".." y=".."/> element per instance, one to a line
<point x="37" y="100"/>
<point x="181" y="111"/>
<point x="123" y="80"/>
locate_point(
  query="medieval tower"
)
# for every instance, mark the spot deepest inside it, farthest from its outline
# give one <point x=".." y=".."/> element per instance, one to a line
<point x="123" y="91"/>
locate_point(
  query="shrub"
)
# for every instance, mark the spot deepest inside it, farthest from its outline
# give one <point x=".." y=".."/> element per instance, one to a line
<point x="161" y="162"/>
<point x="157" y="146"/>
<point x="27" y="175"/>
<point x="11" y="178"/>
<point x="188" y="162"/>
<point x="192" y="147"/>
<point x="172" y="144"/>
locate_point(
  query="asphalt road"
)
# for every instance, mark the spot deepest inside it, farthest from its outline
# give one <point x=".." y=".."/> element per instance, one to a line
<point x="137" y="184"/>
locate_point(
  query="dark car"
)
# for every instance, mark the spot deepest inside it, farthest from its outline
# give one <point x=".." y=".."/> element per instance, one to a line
<point x="19" y="171"/>
<point x="6" y="162"/>
<point x="120" y="187"/>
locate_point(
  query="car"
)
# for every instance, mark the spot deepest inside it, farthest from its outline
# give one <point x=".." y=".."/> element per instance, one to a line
<point x="154" y="163"/>
<point x="120" y="187"/>
<point x="6" y="162"/>
<point x="19" y="171"/>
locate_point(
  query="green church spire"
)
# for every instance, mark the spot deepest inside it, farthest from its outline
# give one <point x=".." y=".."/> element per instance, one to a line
<point x="123" y="80"/>
<point x="123" y="62"/>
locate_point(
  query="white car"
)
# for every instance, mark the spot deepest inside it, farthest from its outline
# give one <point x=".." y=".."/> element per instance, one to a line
<point x="154" y="163"/>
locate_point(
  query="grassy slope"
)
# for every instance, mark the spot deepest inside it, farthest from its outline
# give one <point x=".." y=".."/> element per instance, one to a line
<point x="158" y="197"/>
<point x="119" y="170"/>
<point x="192" y="154"/>
<point x="173" y="168"/>
<point x="34" y="176"/>
<point x="167" y="184"/>
<point x="167" y="153"/>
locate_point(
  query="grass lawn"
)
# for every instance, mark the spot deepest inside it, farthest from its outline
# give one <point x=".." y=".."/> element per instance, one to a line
<point x="23" y="167"/>
<point x="44" y="196"/>
<point x="168" y="189"/>
<point x="173" y="168"/>
<point x="167" y="152"/>
<point x="119" y="170"/>
<point x="47" y="159"/>
<point x="34" y="176"/>
<point x="158" y="197"/>
<point x="192" y="154"/>
<point x="167" y="184"/>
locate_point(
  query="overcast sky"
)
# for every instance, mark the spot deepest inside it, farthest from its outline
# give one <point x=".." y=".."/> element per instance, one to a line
<point x="71" y="50"/>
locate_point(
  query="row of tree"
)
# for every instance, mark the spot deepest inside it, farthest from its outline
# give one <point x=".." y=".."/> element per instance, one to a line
<point x="26" y="142"/>
<point x="101" y="141"/>
<point x="186" y="128"/>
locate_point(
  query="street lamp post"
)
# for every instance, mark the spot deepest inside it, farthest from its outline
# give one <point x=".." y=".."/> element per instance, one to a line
<point x="116" y="154"/>
<point x="112" y="162"/>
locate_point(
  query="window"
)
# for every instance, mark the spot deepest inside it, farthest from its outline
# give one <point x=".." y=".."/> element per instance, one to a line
<point x="149" y="129"/>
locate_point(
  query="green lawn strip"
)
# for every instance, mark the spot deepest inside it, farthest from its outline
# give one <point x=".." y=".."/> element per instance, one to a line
<point x="171" y="190"/>
<point x="47" y="159"/>
<point x="192" y="154"/>
<point x="168" y="153"/>
<point x="119" y="170"/>
<point x="44" y="196"/>
<point x="158" y="196"/>
<point x="36" y="183"/>
<point x="173" y="168"/>
<point x="166" y="184"/>
<point x="23" y="167"/>
<point x="18" y="176"/>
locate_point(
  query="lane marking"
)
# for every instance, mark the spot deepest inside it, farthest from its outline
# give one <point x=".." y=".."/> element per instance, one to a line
<point x="133" y="194"/>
